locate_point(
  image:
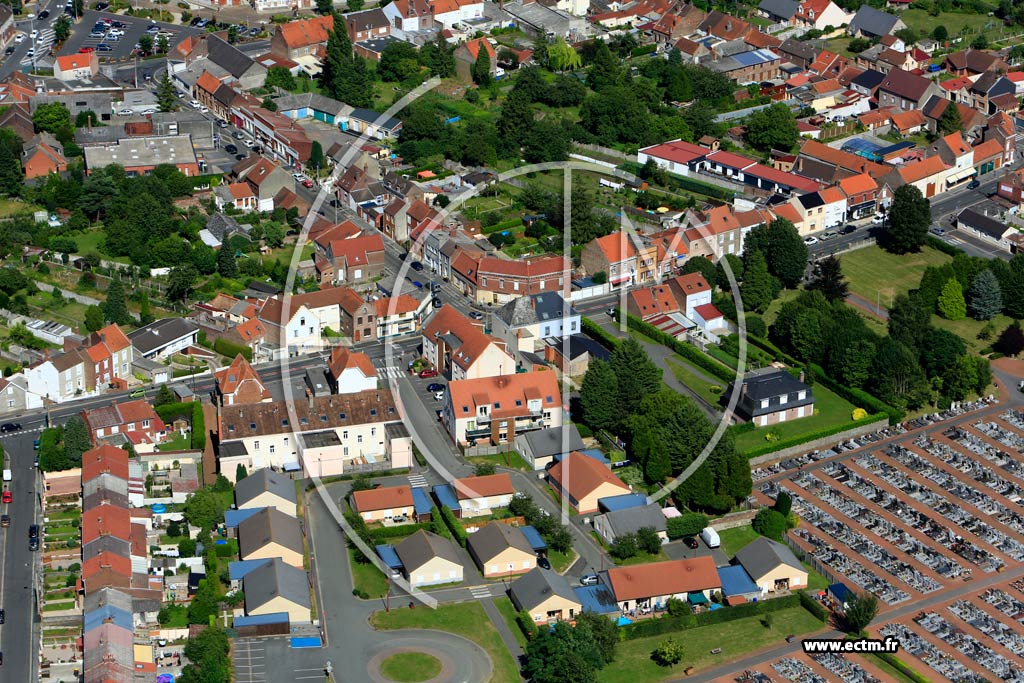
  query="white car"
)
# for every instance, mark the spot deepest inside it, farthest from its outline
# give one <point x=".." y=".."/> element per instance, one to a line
<point x="33" y="34"/>
<point x="31" y="53"/>
<point x="125" y="112"/>
<point x="30" y="16"/>
<point x="115" y="33"/>
<point x="298" y="176"/>
<point x="204" y="110"/>
<point x="20" y="37"/>
<point x="878" y="219"/>
<point x="249" y="142"/>
<point x="147" y="112"/>
<point x="810" y="240"/>
<point x="195" y="104"/>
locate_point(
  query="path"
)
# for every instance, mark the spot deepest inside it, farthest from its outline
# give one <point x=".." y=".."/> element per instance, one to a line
<point x="859" y="302"/>
<point x="507" y="637"/>
<point x="68" y="294"/>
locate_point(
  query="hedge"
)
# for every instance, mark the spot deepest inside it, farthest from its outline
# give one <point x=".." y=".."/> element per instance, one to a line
<point x="402" y="530"/>
<point x="684" y="183"/>
<point x="901" y="666"/>
<point x="198" y="427"/>
<point x="663" y="625"/>
<point x="644" y="50"/>
<point x="858" y="397"/>
<point x="813" y="606"/>
<point x="687" y="351"/>
<point x="598" y="333"/>
<point x="231" y="349"/>
<point x="349" y="477"/>
<point x="502" y="225"/>
<point x="936" y="243"/>
<point x="772" y="446"/>
<point x="169" y="412"/>
<point x="453" y="525"/>
<point x="526" y="624"/>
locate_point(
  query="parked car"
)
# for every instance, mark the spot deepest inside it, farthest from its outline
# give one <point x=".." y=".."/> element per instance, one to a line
<point x="974" y="184"/>
<point x="44" y="14"/>
<point x="125" y="112"/>
<point x="416" y="265"/>
<point x="810" y="240"/>
<point x="103" y="47"/>
<point x="239" y="157"/>
<point x="8" y="427"/>
<point x="8" y="497"/>
<point x="138" y="393"/>
<point x="9" y="50"/>
<point x="33" y="544"/>
<point x="5" y="520"/>
<point x="937" y="231"/>
<point x="429" y="372"/>
<point x="588" y="580"/>
<point x="222" y="123"/>
<point x="33" y="531"/>
<point x="33" y="34"/>
<point x="194" y="104"/>
<point x="238" y="135"/>
<point x="434" y="387"/>
<point x="848" y="229"/>
<point x="436" y="303"/>
<point x="878" y="219"/>
<point x="476" y="315"/>
<point x="543" y="563"/>
<point x="230" y="149"/>
<point x="828" y="235"/>
<point x="691" y="542"/>
<point x="307" y="183"/>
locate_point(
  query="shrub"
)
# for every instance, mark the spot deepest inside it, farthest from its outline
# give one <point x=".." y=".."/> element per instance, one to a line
<point x="458" y="533"/>
<point x="525" y="623"/>
<point x="230" y="349"/>
<point x="813" y="606"/>
<point x="598" y="333"/>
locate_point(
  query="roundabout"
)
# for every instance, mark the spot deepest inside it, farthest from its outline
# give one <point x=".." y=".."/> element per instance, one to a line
<point x="424" y="656"/>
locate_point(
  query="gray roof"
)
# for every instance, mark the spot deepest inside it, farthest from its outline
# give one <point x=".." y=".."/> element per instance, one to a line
<point x="764" y="555"/>
<point x="228" y="57"/>
<point x="495" y="538"/>
<point x="799" y="48"/>
<point x="527" y="310"/>
<point x="537" y="585"/>
<point x="548" y="442"/>
<point x="984" y="224"/>
<point x="222" y="227"/>
<point x="423" y="546"/>
<point x="261" y="481"/>
<point x="269" y="525"/>
<point x="314" y="101"/>
<point x="160" y="333"/>
<point x="872" y="21"/>
<point x="779" y="8"/>
<point x="771" y="384"/>
<point x="631" y="520"/>
<point x="273" y="579"/>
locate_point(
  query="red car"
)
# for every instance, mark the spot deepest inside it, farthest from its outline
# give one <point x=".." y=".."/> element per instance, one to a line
<point x="428" y="373"/>
<point x="307" y="183"/>
<point x="86" y="50"/>
<point x="8" y="497"/>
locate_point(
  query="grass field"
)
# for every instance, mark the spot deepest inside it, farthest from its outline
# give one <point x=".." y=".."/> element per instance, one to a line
<point x="872" y="272"/>
<point x="410" y="667"/>
<point x="633" y="658"/>
<point x="508" y="611"/>
<point x="815" y="581"/>
<point x="772" y="313"/>
<point x="561" y="561"/>
<point x="829" y="410"/>
<point x="180" y="442"/>
<point x="10" y="207"/>
<point x="735" y="539"/>
<point x="89" y="242"/>
<point x="688" y="376"/>
<point x="642" y="558"/>
<point x="921" y="21"/>
<point x="968" y="329"/>
<point x="367" y="578"/>
<point x="467" y="620"/>
<point x="511" y="459"/>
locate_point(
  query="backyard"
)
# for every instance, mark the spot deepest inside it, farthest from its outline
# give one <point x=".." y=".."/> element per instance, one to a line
<point x="735" y="539"/>
<point x="879" y="276"/>
<point x="467" y="620"/>
<point x="633" y="662"/>
<point x="829" y="410"/>
<point x="969" y="328"/>
<point x="367" y="578"/>
<point x="955" y="22"/>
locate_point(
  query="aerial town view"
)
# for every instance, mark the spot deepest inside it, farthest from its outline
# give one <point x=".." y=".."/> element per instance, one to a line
<point x="501" y="341"/>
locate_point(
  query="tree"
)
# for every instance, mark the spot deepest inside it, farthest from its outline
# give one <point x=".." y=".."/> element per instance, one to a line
<point x="316" y="156"/>
<point x="146" y="43"/>
<point x="939" y="33"/>
<point x="204" y="509"/>
<point x="268" y="103"/>
<point x="355" y="5"/>
<point x="10" y="172"/>
<point x="162" y="44"/>
<point x="668" y="653"/>
<point x="687" y="524"/>
<point x="115" y="308"/>
<point x="951" y="302"/>
<point x="603" y="631"/>
<point x="343" y="75"/>
<point x="909" y="218"/>
<point x="605" y="70"/>
<point x="858" y="45"/>
<point x="980" y="42"/>
<point x="950" y="120"/>
<point x="756" y="290"/>
<point x="772" y="128"/>
<point x="897" y="377"/>
<point x="163" y="397"/>
<point x="828" y="279"/>
<point x="240" y="472"/>
<point x="166" y="98"/>
<point x="484" y="469"/>
<point x="145" y="315"/>
<point x="562" y="56"/>
<point x="76" y="440"/>
<point x="204" y="602"/>
<point x="62" y="28"/>
<point x="562" y="654"/>
<point x="637" y="375"/>
<point x="783" y="249"/>
<point x="986" y="296"/>
<point x="860" y="612"/>
<point x="908" y="320"/>
<point x="647" y="539"/>
<point x="398" y="61"/>
<point x="770" y="523"/>
<point x="325" y="6"/>
<point x="1011" y="340"/>
<point x="439" y="57"/>
<point x="280" y="77"/>
<point x="93" y="318"/>
<point x="783" y="503"/>
<point x="52" y="117"/>
<point x="624" y="547"/>
<point x="227" y="264"/>
<point x="174" y="528"/>
<point x="181" y="281"/>
<point x="481" y="71"/>
<point x="207" y="654"/>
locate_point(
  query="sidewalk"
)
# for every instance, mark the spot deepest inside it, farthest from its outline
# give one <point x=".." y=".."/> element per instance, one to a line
<point x="504" y="631"/>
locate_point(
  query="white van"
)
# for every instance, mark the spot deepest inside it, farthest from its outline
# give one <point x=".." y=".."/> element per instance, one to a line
<point x="710" y="537"/>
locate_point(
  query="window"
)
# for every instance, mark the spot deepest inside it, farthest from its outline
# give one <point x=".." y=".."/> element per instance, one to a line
<point x="359" y="439"/>
<point x="547" y="330"/>
<point x="764" y="403"/>
<point x="272" y="449"/>
<point x="286" y="441"/>
<point x="515" y="285"/>
<point x="344" y="434"/>
<point x="373" y="431"/>
<point x="783" y="399"/>
<point x="801" y="395"/>
<point x="256" y="445"/>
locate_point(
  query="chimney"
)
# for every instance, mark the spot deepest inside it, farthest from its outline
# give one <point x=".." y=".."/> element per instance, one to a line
<point x="803" y="375"/>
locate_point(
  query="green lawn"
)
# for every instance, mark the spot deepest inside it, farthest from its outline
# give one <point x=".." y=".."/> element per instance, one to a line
<point x="633" y="658"/>
<point x="178" y="443"/>
<point x="561" y="561"/>
<point x="410" y="667"/>
<point x="642" y="558"/>
<point x="366" y="577"/>
<point x="510" y="459"/>
<point x="178" y="615"/>
<point x="829" y="410"/>
<point x="466" y="619"/>
<point x="892" y="671"/>
<point x="735" y="539"/>
<point x="815" y="581"/>
<point x="688" y="376"/>
<point x="508" y="611"/>
<point x="968" y="329"/>
<point x="10" y="207"/>
<point x="921" y="21"/>
<point x="89" y="242"/>
<point x="772" y="313"/>
<point x="873" y="273"/>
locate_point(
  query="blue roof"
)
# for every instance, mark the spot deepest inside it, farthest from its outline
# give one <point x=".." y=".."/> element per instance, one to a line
<point x="260" y="619"/>
<point x="387" y="554"/>
<point x="622" y="502"/>
<point x="445" y="495"/>
<point x="595" y="453"/>
<point x="754" y="57"/>
<point x="99" y="615"/>
<point x="238" y="569"/>
<point x="534" y="538"/>
<point x="597" y="599"/>
<point x="736" y="581"/>
<point x="421" y="502"/>
<point x="232" y="518"/>
<point x="840" y="592"/>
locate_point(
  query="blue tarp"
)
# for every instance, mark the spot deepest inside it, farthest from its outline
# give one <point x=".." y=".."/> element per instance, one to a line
<point x="596" y="599"/>
<point x="292" y="467"/>
<point x="623" y="502"/>
<point x="534" y="538"/>
<point x="623" y="621"/>
<point x="445" y="495"/>
<point x="261" y="619"/>
<point x="99" y="615"/>
<point x="387" y="554"/>
<point x="736" y="581"/>
<point x="232" y="518"/>
<point x="306" y="642"/>
<point x="421" y="502"/>
<point x="238" y="569"/>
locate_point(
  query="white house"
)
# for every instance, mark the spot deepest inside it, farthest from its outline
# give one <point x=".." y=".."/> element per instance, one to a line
<point x="351" y="371"/>
<point x="163" y="338"/>
<point x="61" y="378"/>
<point x="452" y="12"/>
<point x="497" y="409"/>
<point x="301" y="331"/>
<point x="524" y="323"/>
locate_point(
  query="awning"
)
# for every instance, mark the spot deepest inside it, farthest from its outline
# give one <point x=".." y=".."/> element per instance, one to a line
<point x="292" y="467"/>
<point x="957" y="177"/>
<point x="696" y="598"/>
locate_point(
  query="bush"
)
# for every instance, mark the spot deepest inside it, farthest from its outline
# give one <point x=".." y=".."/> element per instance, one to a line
<point x="663" y="625"/>
<point x="688" y="524"/>
<point x="230" y="349"/>
<point x="685" y="350"/>
<point x="813" y="606"/>
<point x="381" y="534"/>
<point x="198" y="427"/>
<point x="598" y="333"/>
<point x="458" y="533"/>
<point x="770" y="523"/>
<point x="525" y="623"/>
<point x="901" y="666"/>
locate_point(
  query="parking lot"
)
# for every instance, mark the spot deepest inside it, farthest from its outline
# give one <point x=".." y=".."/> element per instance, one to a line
<point x="119" y="48"/>
<point x="920" y="517"/>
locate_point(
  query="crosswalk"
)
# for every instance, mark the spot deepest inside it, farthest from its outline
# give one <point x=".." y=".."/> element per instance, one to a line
<point x="481" y="592"/>
<point x="417" y="481"/>
<point x="43" y="42"/>
<point x="390" y="372"/>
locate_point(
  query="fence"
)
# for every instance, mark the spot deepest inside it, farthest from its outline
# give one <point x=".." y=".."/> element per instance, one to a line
<point x="810" y="559"/>
<point x="824" y="442"/>
<point x="470" y="451"/>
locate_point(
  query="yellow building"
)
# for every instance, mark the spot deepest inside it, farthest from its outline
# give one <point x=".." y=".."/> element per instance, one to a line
<point x="501" y="550"/>
<point x="268" y="534"/>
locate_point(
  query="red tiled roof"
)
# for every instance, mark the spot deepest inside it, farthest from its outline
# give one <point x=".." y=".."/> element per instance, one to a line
<point x="306" y="32"/>
<point x="105" y="459"/>
<point x="342" y="359"/>
<point x="678" y="151"/>
<point x="106" y="520"/>
<point x="481" y="487"/>
<point x="231" y="377"/>
<point x="580" y="475"/>
<point x="986" y="150"/>
<point x="384" y="498"/>
<point x="708" y="312"/>
<point x="857" y="184"/>
<point x="675" y="577"/>
<point x="919" y="170"/>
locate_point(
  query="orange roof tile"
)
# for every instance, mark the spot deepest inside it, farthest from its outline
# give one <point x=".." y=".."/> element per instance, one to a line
<point x="986" y="150"/>
<point x="675" y="577"/>
<point x="857" y="184"/>
<point x="956" y="143"/>
<point x="468" y="488"/>
<point x="231" y="377"/>
<point x="506" y="390"/>
<point x="654" y="300"/>
<point x="580" y="475"/>
<point x="75" y="61"/>
<point x="473" y="46"/>
<point x="473" y="342"/>
<point x="105" y="459"/>
<point x="616" y="247"/>
<point x="384" y="498"/>
<point x="395" y="305"/>
<point x="208" y="82"/>
<point x="919" y="170"/>
<point x="306" y="32"/>
<point x="106" y="520"/>
<point x="341" y="359"/>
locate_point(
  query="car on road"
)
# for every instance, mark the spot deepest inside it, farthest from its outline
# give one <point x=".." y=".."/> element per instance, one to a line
<point x="103" y="47"/>
<point x="8" y="427"/>
<point x="125" y="112"/>
<point x="476" y="315"/>
<point x="20" y="37"/>
<point x="33" y="544"/>
<point x="810" y="240"/>
<point x="138" y="393"/>
<point x="239" y="157"/>
<point x="937" y="231"/>
<point x="86" y="50"/>
<point x="5" y="520"/>
<point x="416" y="265"/>
<point x="848" y="229"/>
<point x="543" y="563"/>
<point x="238" y="135"/>
<point x="691" y="542"/>
<point x="3" y="616"/>
<point x="230" y="149"/>
<point x="8" y="497"/>
<point x="417" y="284"/>
<point x="221" y="123"/>
<point x="118" y="24"/>
<point x="829" y="235"/>
<point x="194" y="104"/>
<point x="878" y="219"/>
<point x="152" y="29"/>
<point x="435" y="386"/>
<point x="35" y="445"/>
<point x="33" y="531"/>
<point x="436" y="303"/>
<point x="148" y="112"/>
<point x="429" y="372"/>
<point x="9" y="50"/>
<point x="254" y="31"/>
<point x="31" y="53"/>
<point x="588" y="580"/>
<point x="33" y="34"/>
<point x="298" y="176"/>
<point x="44" y="14"/>
<point x="974" y="184"/>
<point x="307" y="183"/>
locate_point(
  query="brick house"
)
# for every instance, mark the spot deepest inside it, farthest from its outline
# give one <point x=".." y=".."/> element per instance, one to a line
<point x="240" y="383"/>
<point x="773" y="396"/>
